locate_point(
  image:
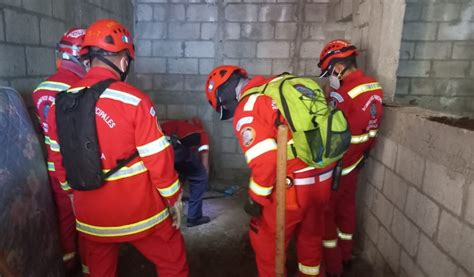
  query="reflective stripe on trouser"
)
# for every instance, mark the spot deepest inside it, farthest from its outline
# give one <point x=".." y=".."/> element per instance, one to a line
<point x="308" y="270"/>
<point x="349" y="169"/>
<point x="344" y="236"/>
<point x="332" y="243"/>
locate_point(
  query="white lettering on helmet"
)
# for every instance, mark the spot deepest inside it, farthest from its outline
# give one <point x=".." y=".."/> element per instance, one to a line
<point x="77" y="33"/>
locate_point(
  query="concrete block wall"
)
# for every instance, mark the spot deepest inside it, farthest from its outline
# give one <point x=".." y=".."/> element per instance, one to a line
<point x="179" y="42"/>
<point x="30" y="29"/>
<point x="416" y="198"/>
<point x="437" y="56"/>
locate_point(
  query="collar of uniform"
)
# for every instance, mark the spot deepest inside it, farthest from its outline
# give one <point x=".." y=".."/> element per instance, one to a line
<point x="353" y="76"/>
<point x="72" y="67"/>
<point x="255" y="82"/>
<point x="101" y="73"/>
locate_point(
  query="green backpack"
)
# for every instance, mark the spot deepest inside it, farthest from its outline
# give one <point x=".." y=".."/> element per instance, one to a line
<point x="321" y="133"/>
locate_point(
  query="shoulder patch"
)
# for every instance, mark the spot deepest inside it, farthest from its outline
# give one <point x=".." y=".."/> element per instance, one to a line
<point x="248" y="136"/>
<point x="243" y="121"/>
<point x="152" y="111"/>
<point x="336" y="96"/>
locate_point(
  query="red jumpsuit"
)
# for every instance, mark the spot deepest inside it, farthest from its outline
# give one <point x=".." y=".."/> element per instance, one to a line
<point x="43" y="97"/>
<point x="132" y="206"/>
<point x="254" y="125"/>
<point x="360" y="98"/>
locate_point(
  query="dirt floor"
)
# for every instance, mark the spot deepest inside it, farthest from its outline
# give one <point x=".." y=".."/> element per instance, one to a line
<point x="219" y="248"/>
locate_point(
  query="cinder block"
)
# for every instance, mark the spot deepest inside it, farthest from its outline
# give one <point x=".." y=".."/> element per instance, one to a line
<point x="240" y="49"/>
<point x="311" y="49"/>
<point x="282" y="65"/>
<point x="208" y="30"/>
<point x="413" y="12"/>
<point x="28" y="24"/>
<point x="200" y="49"/>
<point x="2" y="28"/>
<point x="168" y="82"/>
<point x="375" y="173"/>
<point x="152" y="1"/>
<point x="286" y="31"/>
<point x="195" y="82"/>
<point x="150" y="65"/>
<point x="43" y="6"/>
<point x="227" y="131"/>
<point x="258" y="66"/>
<point x="441" y="12"/>
<point x="432" y="260"/>
<point x="405" y="232"/>
<point x="143" y="48"/>
<point x="59" y="9"/>
<point x="232" y="31"/>
<point x="273" y="49"/>
<point x="347" y="9"/>
<point x="25" y="86"/>
<point x="413" y="68"/>
<point x="206" y="113"/>
<point x="40" y="61"/>
<point x="386" y="151"/>
<point x="422" y="211"/>
<point x="382" y="209"/>
<point x="463" y="50"/>
<point x="229" y="145"/>
<point x="395" y="189"/>
<point x="461" y="273"/>
<point x="389" y="248"/>
<point x="258" y="31"/>
<point x="429" y="86"/>
<point x="160" y="112"/>
<point x="176" y="13"/>
<point x="455" y="69"/>
<point x="201" y="13"/>
<point x="144" y="12"/>
<point x="184" y="31"/>
<point x="367" y="193"/>
<point x="409" y="266"/>
<point x="371" y="225"/>
<point x="444" y="185"/>
<point x="142" y="81"/>
<point x="160" y="12"/>
<point x="150" y="30"/>
<point x="241" y="12"/>
<point x="433" y="50"/>
<point x="457" y="239"/>
<point x="11" y="2"/>
<point x="181" y="111"/>
<point x="470" y="203"/>
<point x="236" y="161"/>
<point x="419" y="31"/>
<point x="183" y="66"/>
<point x="232" y="61"/>
<point x="403" y="86"/>
<point x="460" y="31"/>
<point x="205" y="66"/>
<point x="163" y="48"/>
<point x="51" y="31"/>
<point x="410" y="165"/>
<point x="315" y="12"/>
<point x="277" y="12"/>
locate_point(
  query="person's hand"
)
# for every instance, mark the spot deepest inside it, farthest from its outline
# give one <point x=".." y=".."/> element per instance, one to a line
<point x="205" y="160"/>
<point x="177" y="212"/>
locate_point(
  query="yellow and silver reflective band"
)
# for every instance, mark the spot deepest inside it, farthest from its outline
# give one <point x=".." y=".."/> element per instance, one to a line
<point x="171" y="190"/>
<point x="251" y="102"/>
<point x="349" y="169"/>
<point x="364" y="137"/>
<point x="121" y="96"/>
<point x="308" y="270"/>
<point x="126" y="171"/>
<point x="305" y="169"/>
<point x="124" y="230"/>
<point x="258" y="189"/>
<point x="330" y="243"/>
<point x="46" y="140"/>
<point x="325" y="176"/>
<point x="53" y="145"/>
<point x="260" y="148"/>
<point x="69" y="256"/>
<point x="373" y="133"/>
<point x="153" y="147"/>
<point x="304" y="181"/>
<point x="203" y="148"/>
<point x="51" y="167"/>
<point x="65" y="185"/>
<point x="344" y="236"/>
<point x="53" y="86"/>
<point x="85" y="269"/>
<point x="353" y="93"/>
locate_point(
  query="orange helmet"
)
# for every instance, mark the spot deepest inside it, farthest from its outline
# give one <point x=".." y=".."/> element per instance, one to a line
<point x="334" y="50"/>
<point x="216" y="79"/>
<point x="71" y="42"/>
<point x="109" y="35"/>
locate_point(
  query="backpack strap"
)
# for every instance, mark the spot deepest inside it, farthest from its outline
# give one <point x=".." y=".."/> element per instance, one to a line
<point x="98" y="88"/>
<point x="120" y="164"/>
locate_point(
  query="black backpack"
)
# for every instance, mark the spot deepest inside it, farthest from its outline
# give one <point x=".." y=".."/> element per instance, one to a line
<point x="77" y="137"/>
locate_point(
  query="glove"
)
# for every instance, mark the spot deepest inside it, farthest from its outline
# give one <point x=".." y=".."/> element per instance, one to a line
<point x="252" y="208"/>
<point x="177" y="212"/>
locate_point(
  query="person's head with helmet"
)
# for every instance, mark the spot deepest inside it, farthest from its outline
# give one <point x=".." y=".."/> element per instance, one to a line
<point x="109" y="44"/>
<point x="337" y="60"/>
<point x="223" y="87"/>
<point x="69" y="49"/>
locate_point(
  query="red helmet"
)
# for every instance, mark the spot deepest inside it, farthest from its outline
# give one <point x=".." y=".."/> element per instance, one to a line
<point x="71" y="42"/>
<point x="109" y="35"/>
<point x="336" y="49"/>
<point x="218" y="77"/>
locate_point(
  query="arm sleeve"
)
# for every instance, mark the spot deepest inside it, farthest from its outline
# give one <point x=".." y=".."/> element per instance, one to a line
<point x="156" y="152"/>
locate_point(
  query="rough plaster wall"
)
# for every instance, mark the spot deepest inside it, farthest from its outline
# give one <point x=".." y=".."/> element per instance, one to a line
<point x="437" y="56"/>
<point x="416" y="198"/>
<point x="179" y="42"/>
<point x="30" y="29"/>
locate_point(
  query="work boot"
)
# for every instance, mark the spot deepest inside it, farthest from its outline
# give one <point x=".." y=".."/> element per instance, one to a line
<point x="199" y="221"/>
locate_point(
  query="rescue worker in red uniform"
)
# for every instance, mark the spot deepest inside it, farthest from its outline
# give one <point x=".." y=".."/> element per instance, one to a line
<point x="255" y="125"/>
<point x="71" y="68"/>
<point x="191" y="160"/>
<point x="135" y="202"/>
<point x="360" y="98"/>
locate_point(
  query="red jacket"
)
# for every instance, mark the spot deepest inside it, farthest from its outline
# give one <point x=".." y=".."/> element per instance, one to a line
<point x="186" y="128"/>
<point x="360" y="98"/>
<point x="255" y="128"/>
<point x="133" y="200"/>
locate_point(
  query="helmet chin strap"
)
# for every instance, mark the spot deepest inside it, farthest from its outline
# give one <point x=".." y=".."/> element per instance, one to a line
<point x="123" y="74"/>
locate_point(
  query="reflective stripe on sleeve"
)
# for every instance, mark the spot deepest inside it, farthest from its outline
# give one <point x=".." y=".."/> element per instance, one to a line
<point x="349" y="169"/>
<point x="69" y="256"/>
<point x="121" y="96"/>
<point x="353" y="93"/>
<point x="260" y="148"/>
<point x="46" y="140"/>
<point x="203" y="148"/>
<point x="153" y="147"/>
<point x="259" y="190"/>
<point x="126" y="171"/>
<point x="51" y="167"/>
<point x="115" y="231"/>
<point x="85" y="269"/>
<point x="344" y="236"/>
<point x="308" y="270"/>
<point x="53" y="145"/>
<point x="356" y="139"/>
<point x="53" y="86"/>
<point x="330" y="243"/>
<point x="65" y="185"/>
<point x="171" y="190"/>
<point x="251" y="102"/>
